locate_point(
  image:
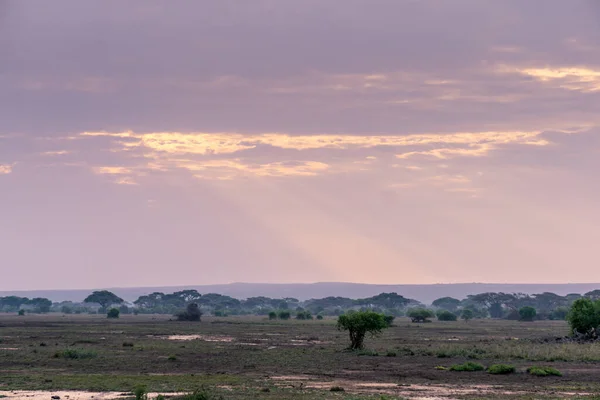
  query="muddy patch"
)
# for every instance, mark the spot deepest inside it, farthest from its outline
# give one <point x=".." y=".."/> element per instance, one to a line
<point x="205" y="338"/>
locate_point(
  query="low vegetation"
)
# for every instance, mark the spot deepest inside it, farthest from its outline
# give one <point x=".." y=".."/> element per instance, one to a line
<point x="501" y="369"/>
<point x="543" y="371"/>
<point x="468" y="367"/>
<point x="359" y="323"/>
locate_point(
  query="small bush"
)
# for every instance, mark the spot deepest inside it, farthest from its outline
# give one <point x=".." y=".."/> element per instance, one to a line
<point x="389" y="320"/>
<point x="501" y="369"/>
<point x="337" y="389"/>
<point x="527" y="313"/>
<point x="127" y="344"/>
<point x="284" y="315"/>
<point x="272" y="315"/>
<point x="140" y="393"/>
<point x="468" y="366"/>
<point x="172" y="358"/>
<point x="319" y="317"/>
<point x="444" y="315"/>
<point x="113" y="313"/>
<point x="75" y="354"/>
<point x="467" y="314"/>
<point x="21" y="312"/>
<point x="391" y="354"/>
<point x="304" y="315"/>
<point x="543" y="371"/>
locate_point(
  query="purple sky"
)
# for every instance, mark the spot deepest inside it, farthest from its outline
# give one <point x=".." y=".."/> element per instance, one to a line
<point x="378" y="141"/>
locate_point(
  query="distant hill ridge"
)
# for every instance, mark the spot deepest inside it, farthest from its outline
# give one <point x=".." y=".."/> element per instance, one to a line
<point x="305" y="291"/>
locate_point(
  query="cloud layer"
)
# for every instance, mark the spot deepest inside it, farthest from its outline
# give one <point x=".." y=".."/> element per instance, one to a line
<point x="378" y="141"/>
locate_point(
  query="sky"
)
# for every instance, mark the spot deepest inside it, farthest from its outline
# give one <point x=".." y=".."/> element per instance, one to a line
<point x="151" y="143"/>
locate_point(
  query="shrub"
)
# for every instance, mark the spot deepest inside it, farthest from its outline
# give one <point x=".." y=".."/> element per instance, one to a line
<point x="191" y="313"/>
<point x="75" y="354"/>
<point x="389" y="319"/>
<point x="113" y="313"/>
<point x="543" y="371"/>
<point x="284" y="315"/>
<point x="66" y="310"/>
<point x="21" y="312"/>
<point x="468" y="366"/>
<point x="466" y="314"/>
<point x="140" y="393"/>
<point x="444" y="315"/>
<point x="304" y="315"/>
<point x="501" y="369"/>
<point x="272" y="315"/>
<point x="319" y="317"/>
<point x="584" y="317"/>
<point x="391" y="354"/>
<point x="336" y="389"/>
<point x="419" y="314"/>
<point x="359" y="323"/>
<point x="527" y="313"/>
<point x="172" y="358"/>
<point x="127" y="344"/>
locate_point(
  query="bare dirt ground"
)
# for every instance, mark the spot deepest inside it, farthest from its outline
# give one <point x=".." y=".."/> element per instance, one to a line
<point x="251" y="357"/>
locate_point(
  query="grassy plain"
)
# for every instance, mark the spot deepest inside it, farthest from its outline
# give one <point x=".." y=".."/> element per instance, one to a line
<point x="251" y="357"/>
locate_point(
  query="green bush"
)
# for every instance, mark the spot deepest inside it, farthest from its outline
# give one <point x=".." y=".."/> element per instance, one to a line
<point x="444" y="315"/>
<point x="304" y="315"/>
<point x="501" y="369"/>
<point x="272" y="315"/>
<point x="172" y="358"/>
<point x="543" y="371"/>
<point x="389" y="319"/>
<point x="527" y="313"/>
<point x="336" y="389"/>
<point x="113" y="313"/>
<point x="468" y="366"/>
<point x="192" y="313"/>
<point x="391" y="353"/>
<point x="420" y="314"/>
<point x="284" y="315"/>
<point x="21" y="312"/>
<point x="75" y="354"/>
<point x="140" y="393"/>
<point x="466" y="314"/>
<point x="319" y="317"/>
<point x="584" y="317"/>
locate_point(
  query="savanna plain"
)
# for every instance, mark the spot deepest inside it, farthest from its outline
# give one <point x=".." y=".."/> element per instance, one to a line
<point x="250" y="357"/>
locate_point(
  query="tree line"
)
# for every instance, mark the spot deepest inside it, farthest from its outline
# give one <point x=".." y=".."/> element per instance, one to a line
<point x="484" y="305"/>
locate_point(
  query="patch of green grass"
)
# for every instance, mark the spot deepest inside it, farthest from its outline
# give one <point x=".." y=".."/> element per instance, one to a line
<point x="468" y="367"/>
<point x="172" y="358"/>
<point x="391" y="353"/>
<point x="75" y="354"/>
<point x="543" y="371"/>
<point x="501" y="369"/>
<point x="367" y="352"/>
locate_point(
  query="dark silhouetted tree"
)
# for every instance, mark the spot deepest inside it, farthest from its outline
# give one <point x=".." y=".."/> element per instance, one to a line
<point x="104" y="298"/>
<point x="527" y="313"/>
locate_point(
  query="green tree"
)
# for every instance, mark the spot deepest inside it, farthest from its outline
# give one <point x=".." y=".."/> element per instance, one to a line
<point x="584" y="317"/>
<point x="359" y="323"/>
<point x="527" y="313"/>
<point x="272" y="315"/>
<point x="104" y="298"/>
<point x="446" y="303"/>
<point x="192" y="313"/>
<point x="113" y="313"/>
<point x="40" y="304"/>
<point x="466" y="314"/>
<point x="419" y="314"/>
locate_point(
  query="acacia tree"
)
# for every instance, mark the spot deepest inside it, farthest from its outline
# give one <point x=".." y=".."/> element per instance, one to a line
<point x="104" y="298"/>
<point x="358" y="324"/>
<point x="420" y="314"/>
<point x="447" y="303"/>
